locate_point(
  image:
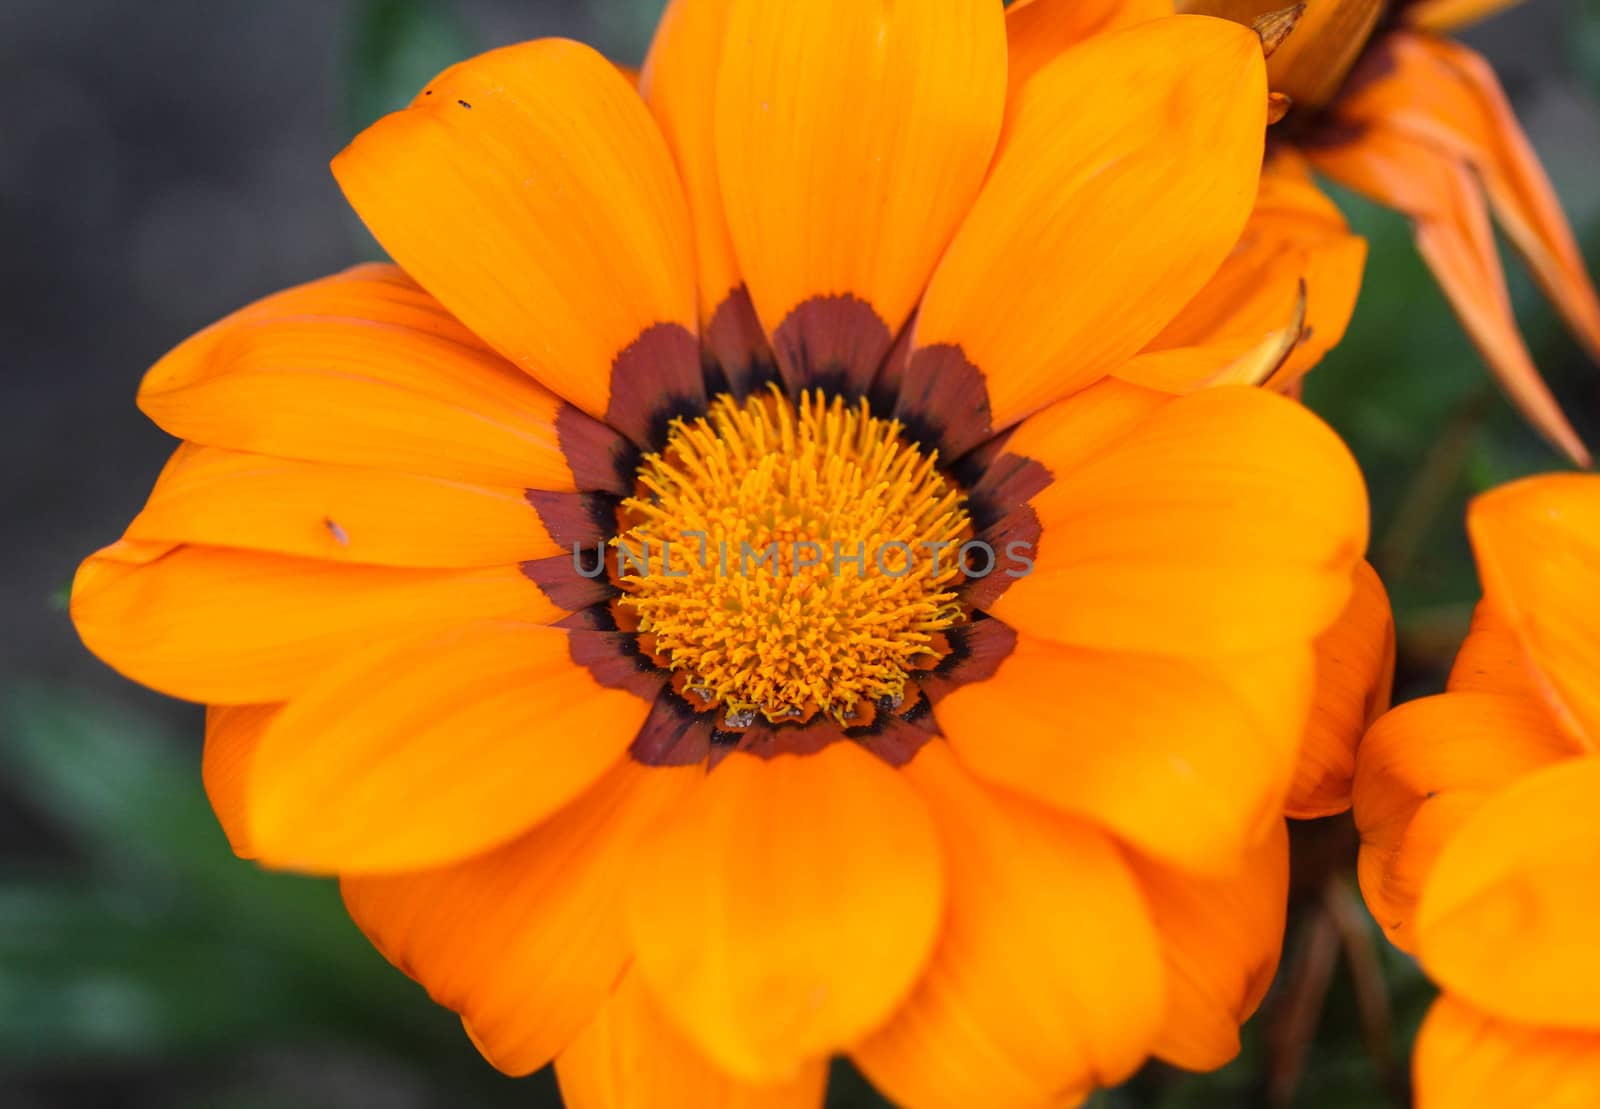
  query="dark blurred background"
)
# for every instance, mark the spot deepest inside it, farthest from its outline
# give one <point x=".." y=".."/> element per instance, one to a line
<point x="164" y="163"/>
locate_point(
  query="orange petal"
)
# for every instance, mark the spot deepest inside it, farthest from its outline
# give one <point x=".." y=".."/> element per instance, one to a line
<point x="1311" y="48"/>
<point x="526" y="942"/>
<point x="851" y="138"/>
<point x="224" y="498"/>
<point x="1507" y="918"/>
<point x="365" y="369"/>
<point x="679" y="84"/>
<point x="1443" y="93"/>
<point x="1311" y="63"/>
<point x="232" y="734"/>
<point x="1047" y="979"/>
<point x="1538" y="548"/>
<point x="532" y="193"/>
<point x="1252" y="357"/>
<point x="406" y="758"/>
<point x="1355" y="674"/>
<point x="1115" y="194"/>
<point x="788" y="908"/>
<point x="1467" y="1059"/>
<point x="1188" y="760"/>
<point x="1492" y="658"/>
<point x="242" y="627"/>
<point x="1281" y="300"/>
<point x="1222" y="938"/>
<point x="1253" y="545"/>
<point x="1085" y="426"/>
<point x="630" y="1057"/>
<point x="1038" y="30"/>
<point x="1443" y="198"/>
<point x="1421" y="772"/>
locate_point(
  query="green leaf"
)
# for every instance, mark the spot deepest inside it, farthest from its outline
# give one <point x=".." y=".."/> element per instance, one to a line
<point x="156" y="940"/>
<point x="106" y="775"/>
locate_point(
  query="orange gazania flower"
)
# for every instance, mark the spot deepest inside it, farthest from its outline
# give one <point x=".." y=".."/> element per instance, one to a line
<point x="691" y="827"/>
<point x="1378" y="100"/>
<point x="1480" y="833"/>
<point x="1283" y="296"/>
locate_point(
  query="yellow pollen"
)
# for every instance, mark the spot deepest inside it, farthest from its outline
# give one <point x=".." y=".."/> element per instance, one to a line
<point x="787" y="560"/>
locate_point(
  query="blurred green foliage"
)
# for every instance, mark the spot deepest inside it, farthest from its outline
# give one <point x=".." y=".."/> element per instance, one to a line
<point x="1586" y="41"/>
<point x="1408" y="393"/>
<point x="397" y="47"/>
<point x="144" y="943"/>
<point x="138" y="947"/>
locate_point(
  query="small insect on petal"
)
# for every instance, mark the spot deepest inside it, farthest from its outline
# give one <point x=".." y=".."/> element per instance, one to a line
<point x="339" y="534"/>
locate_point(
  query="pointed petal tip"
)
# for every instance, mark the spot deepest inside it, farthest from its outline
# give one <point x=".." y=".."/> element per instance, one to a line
<point x="1275" y="26"/>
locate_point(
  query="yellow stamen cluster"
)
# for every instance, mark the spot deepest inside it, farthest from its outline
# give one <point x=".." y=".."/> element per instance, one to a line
<point x="739" y="613"/>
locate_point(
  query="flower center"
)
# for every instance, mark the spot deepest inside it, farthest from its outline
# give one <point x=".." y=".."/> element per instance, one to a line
<point x="784" y="560"/>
